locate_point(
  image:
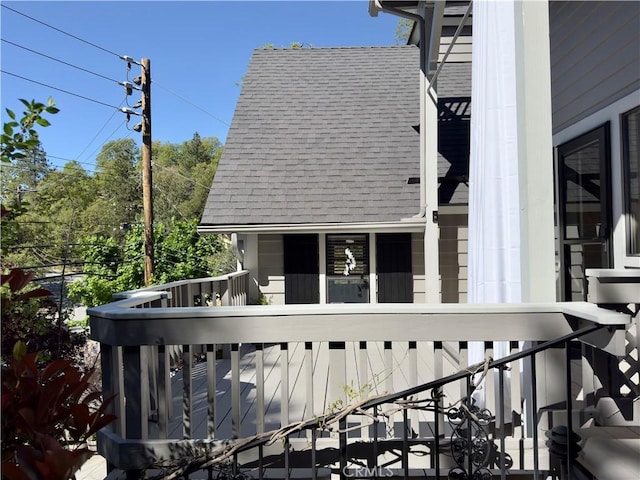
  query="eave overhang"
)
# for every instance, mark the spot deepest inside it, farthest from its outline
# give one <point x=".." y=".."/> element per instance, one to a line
<point x="406" y="225"/>
<point x="428" y="14"/>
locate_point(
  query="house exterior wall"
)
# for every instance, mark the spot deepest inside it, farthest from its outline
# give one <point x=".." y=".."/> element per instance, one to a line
<point x="271" y="268"/>
<point x="595" y="59"/>
<point x="453" y="262"/>
<point x="454" y="249"/>
<point x="417" y="260"/>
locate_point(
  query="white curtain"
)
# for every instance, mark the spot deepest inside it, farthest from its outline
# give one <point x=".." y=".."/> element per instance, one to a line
<point x="494" y="221"/>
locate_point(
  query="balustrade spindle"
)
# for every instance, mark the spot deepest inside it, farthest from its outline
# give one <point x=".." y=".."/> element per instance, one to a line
<point x="284" y="384"/>
<point x="187" y="391"/>
<point x="260" y="410"/>
<point x="211" y="391"/>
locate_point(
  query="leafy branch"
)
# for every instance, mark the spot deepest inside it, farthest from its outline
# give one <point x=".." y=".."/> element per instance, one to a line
<point x="19" y="136"/>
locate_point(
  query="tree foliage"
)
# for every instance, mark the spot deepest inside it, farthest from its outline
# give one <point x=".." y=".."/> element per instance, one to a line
<point x="182" y="177"/>
<point x="21" y="136"/>
<point x="23" y="164"/>
<point x="180" y="253"/>
<point x="93" y="221"/>
<point x="403" y="30"/>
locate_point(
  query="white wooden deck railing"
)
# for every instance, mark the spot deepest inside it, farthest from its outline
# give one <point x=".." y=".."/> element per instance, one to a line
<point x="291" y="363"/>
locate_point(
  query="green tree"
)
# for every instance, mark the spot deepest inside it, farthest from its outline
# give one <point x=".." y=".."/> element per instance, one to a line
<point x="28" y="313"/>
<point x="118" y="187"/>
<point x="23" y="165"/>
<point x="403" y="30"/>
<point x="23" y="174"/>
<point x="182" y="177"/>
<point x="180" y="253"/>
<point x="20" y="136"/>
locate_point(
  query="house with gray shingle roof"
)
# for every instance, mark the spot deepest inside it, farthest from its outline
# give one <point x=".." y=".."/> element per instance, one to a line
<point x="319" y="179"/>
<point x="318" y="188"/>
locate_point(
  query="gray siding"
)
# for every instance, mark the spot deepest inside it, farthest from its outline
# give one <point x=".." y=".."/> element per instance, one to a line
<point x="453" y="263"/>
<point x="417" y="259"/>
<point x="592" y="63"/>
<point x="454" y="249"/>
<point x="271" y="268"/>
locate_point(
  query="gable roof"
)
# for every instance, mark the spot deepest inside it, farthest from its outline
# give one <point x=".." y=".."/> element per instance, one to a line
<point x="324" y="136"/>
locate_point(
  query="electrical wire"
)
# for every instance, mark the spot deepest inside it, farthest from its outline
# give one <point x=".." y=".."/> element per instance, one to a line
<point x="168" y="200"/>
<point x="178" y="174"/>
<point x="58" y="89"/>
<point x="61" y="31"/>
<point x="190" y="103"/>
<point x="107" y="139"/>
<point x="59" y="61"/>
<point x="101" y="129"/>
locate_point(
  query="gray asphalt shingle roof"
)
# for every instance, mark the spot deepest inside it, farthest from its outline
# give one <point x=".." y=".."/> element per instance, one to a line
<point x="325" y="135"/>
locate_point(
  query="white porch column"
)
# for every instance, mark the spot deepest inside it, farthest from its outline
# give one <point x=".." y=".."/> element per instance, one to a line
<point x="511" y="229"/>
<point x="535" y="151"/>
<point x="432" y="15"/>
<point x="511" y="226"/>
<point x="429" y="125"/>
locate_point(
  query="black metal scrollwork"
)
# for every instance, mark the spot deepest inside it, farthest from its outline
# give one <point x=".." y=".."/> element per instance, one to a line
<point x="472" y="446"/>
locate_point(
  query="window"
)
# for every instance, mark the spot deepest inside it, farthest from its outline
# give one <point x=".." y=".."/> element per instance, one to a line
<point x="348" y="268"/>
<point x="631" y="152"/>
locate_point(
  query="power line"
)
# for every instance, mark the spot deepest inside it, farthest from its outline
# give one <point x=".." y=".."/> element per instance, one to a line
<point x="58" y="89"/>
<point x="107" y="139"/>
<point x="93" y="165"/>
<point x="191" y="103"/>
<point x="162" y="167"/>
<point x="60" y="61"/>
<point x="168" y="200"/>
<point x="102" y="128"/>
<point x="61" y="31"/>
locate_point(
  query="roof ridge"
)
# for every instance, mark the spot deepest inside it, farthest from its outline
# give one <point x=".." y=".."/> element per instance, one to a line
<point x="352" y="47"/>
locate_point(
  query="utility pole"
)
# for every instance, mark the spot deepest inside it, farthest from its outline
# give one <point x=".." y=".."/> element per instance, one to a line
<point x="147" y="200"/>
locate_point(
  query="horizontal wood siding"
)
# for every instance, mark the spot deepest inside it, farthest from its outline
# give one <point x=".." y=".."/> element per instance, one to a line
<point x="595" y="56"/>
<point x="453" y="263"/>
<point x="271" y="275"/>
<point x="417" y="259"/>
<point x="454" y="249"/>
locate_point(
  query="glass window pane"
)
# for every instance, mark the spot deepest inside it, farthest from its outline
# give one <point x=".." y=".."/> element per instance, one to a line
<point x="348" y="268"/>
<point x="582" y="194"/>
<point x="631" y="139"/>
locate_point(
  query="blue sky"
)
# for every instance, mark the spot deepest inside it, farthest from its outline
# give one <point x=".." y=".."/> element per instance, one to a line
<point x="199" y="52"/>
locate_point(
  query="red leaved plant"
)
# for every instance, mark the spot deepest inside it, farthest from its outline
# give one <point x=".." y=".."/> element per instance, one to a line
<point x="48" y="414"/>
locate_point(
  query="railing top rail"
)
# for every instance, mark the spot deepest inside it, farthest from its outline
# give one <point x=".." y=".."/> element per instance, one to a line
<point x="179" y="283"/>
<point x="584" y="310"/>
<point x="114" y="325"/>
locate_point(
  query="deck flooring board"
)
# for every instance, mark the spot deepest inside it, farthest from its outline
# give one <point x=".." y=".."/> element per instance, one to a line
<point x="384" y="374"/>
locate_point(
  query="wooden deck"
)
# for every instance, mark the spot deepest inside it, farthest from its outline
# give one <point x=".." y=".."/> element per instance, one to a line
<point x="318" y="378"/>
<point x="314" y="359"/>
